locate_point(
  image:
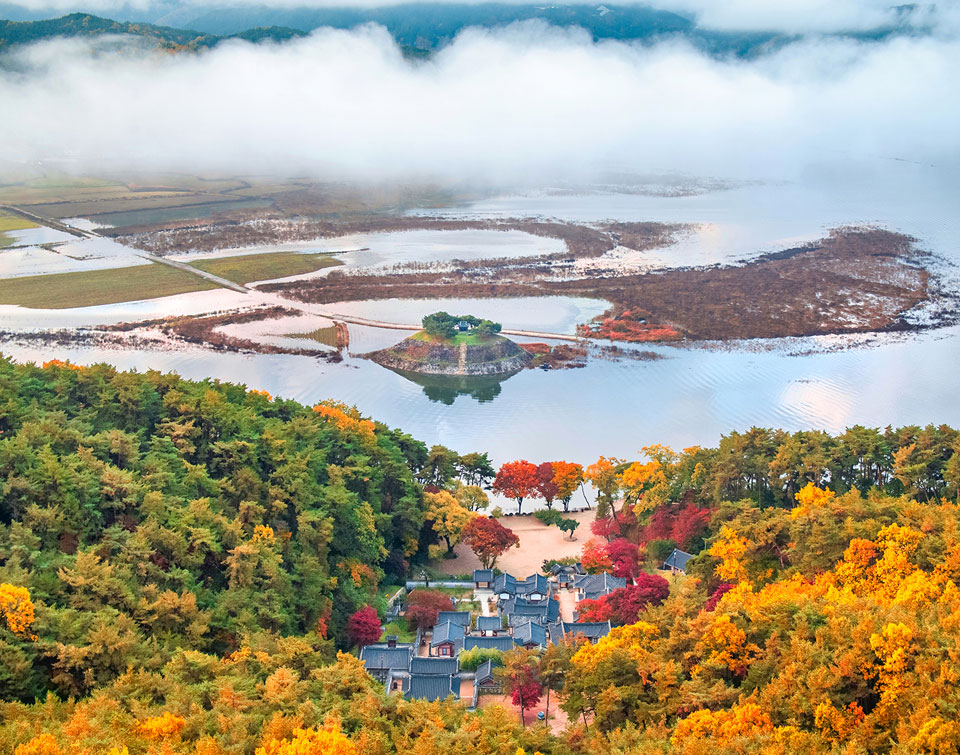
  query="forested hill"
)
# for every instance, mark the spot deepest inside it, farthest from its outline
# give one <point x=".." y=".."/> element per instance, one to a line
<point x="179" y="561"/>
<point x="151" y="513"/>
<point x="84" y="25"/>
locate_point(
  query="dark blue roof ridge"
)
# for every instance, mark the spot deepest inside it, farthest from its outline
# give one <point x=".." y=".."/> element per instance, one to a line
<point x="457" y="617"/>
<point x="427" y="665"/>
<point x="678" y="559"/>
<point x="431" y="686"/>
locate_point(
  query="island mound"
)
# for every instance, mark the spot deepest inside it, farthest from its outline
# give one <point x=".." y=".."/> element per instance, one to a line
<point x="452" y="345"/>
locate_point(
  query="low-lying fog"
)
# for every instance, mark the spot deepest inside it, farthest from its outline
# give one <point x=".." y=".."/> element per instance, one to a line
<point x="526" y="102"/>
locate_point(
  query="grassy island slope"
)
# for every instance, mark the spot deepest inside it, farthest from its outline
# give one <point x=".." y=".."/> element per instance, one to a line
<point x="449" y="345"/>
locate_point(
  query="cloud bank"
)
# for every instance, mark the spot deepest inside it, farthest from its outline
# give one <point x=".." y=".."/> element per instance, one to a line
<point x="526" y="102"/>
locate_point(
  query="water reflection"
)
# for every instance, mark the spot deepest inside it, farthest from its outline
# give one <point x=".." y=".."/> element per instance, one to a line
<point x="445" y="389"/>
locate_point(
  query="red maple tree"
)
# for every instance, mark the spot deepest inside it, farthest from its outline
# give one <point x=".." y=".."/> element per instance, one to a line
<point x="547" y="487"/>
<point x="363" y="627"/>
<point x="423" y="607"/>
<point x="624" y="605"/>
<point x="488" y="539"/>
<point x="625" y="557"/>
<point x="517" y="480"/>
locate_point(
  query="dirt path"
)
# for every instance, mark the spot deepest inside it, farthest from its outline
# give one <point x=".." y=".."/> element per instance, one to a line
<point x="558" y="719"/>
<point x="537" y="543"/>
<point x="568" y="602"/>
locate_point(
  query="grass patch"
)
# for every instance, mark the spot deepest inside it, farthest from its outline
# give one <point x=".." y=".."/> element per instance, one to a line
<point x="11" y="222"/>
<point x="326" y="336"/>
<point x="399" y="628"/>
<point x="95" y="287"/>
<point x="469" y="338"/>
<point x="257" y="267"/>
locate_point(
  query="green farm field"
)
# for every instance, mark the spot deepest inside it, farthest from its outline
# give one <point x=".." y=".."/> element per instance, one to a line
<point x="9" y="222"/>
<point x="268" y="266"/>
<point x="96" y="287"/>
<point x="151" y="281"/>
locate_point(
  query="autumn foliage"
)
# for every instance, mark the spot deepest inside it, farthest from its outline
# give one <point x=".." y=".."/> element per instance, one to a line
<point x="518" y="480"/>
<point x="322" y="741"/>
<point x="488" y="539"/>
<point x="423" y="607"/>
<point x="180" y="562"/>
<point x="363" y="627"/>
<point x="16" y="608"/>
<point x="623" y="605"/>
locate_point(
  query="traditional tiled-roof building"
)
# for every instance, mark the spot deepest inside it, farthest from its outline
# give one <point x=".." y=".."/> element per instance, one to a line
<point x="381" y="659"/>
<point x="593" y="586"/>
<point x="530" y="635"/>
<point x="677" y="561"/>
<point x="431" y="687"/>
<point x="489" y="626"/>
<point x="447" y="639"/>
<point x="591" y="630"/>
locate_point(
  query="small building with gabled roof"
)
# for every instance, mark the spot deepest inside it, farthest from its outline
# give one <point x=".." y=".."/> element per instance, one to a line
<point x="447" y="639"/>
<point x="485" y="680"/>
<point x="594" y="586"/>
<point x="530" y="635"/>
<point x="380" y="659"/>
<point x="456" y="617"/>
<point x="483" y="579"/>
<point x="431" y="687"/>
<point x="489" y="626"/>
<point x="677" y="561"/>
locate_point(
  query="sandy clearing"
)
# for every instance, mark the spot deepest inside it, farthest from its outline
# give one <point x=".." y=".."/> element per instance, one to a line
<point x="537" y="543"/>
<point x="558" y="719"/>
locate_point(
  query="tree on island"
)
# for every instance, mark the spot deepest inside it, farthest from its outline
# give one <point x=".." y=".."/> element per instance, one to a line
<point x="488" y="539"/>
<point x="440" y="325"/>
<point x="445" y="325"/>
<point x="517" y="480"/>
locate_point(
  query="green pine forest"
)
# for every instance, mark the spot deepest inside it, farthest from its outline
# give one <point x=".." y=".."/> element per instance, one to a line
<point x="194" y="550"/>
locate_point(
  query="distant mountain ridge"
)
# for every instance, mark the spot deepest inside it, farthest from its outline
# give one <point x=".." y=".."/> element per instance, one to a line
<point x="14" y="33"/>
<point x="419" y="28"/>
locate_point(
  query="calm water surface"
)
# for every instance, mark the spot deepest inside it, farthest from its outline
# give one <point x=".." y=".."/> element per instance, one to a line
<point x="691" y="396"/>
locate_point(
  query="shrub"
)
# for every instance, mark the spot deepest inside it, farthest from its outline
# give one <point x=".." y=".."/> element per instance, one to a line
<point x="548" y="516"/>
<point x="471" y="660"/>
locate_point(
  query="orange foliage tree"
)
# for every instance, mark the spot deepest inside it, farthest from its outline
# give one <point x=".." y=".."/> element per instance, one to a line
<point x="16" y="608"/>
<point x="324" y="741"/>
<point x="517" y="480"/>
<point x="162" y="727"/>
<point x="595" y="559"/>
<point x="567" y="477"/>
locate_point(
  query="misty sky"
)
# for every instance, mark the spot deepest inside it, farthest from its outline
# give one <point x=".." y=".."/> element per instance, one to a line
<point x="523" y="102"/>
